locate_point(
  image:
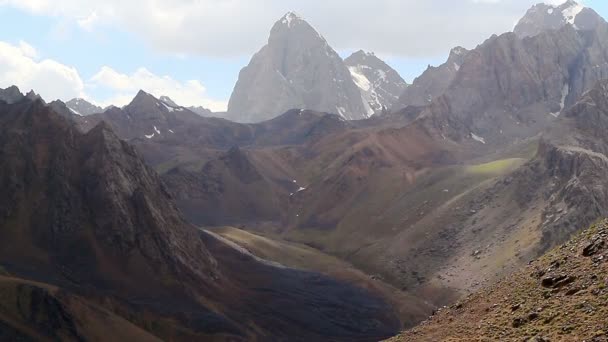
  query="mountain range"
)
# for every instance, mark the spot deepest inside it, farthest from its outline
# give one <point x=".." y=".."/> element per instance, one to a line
<point x="332" y="202"/>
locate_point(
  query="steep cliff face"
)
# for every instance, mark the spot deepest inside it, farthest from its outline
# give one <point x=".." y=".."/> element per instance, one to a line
<point x="508" y="88"/>
<point x="88" y="195"/>
<point x="296" y="69"/>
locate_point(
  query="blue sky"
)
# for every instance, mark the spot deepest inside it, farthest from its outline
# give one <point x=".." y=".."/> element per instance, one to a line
<point x="196" y="57"/>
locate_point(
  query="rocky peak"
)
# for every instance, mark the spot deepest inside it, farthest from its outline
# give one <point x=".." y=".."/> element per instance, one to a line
<point x="83" y="107"/>
<point x="380" y="85"/>
<point x="11" y="95"/>
<point x="202" y="111"/>
<point x="291" y="19"/>
<point x="143" y="99"/>
<point x="543" y="17"/>
<point x="433" y="82"/>
<point x="33" y="96"/>
<point x="296" y="69"/>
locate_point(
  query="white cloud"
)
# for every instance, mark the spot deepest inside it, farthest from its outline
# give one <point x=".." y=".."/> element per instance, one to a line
<point x="87" y="23"/>
<point x="123" y="87"/>
<point x="410" y="28"/>
<point x="20" y="66"/>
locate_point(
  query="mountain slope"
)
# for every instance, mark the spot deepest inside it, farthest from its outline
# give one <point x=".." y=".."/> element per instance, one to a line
<point x="230" y="188"/>
<point x="69" y="194"/>
<point x="296" y="69"/>
<point x="560" y="297"/>
<point x="380" y="84"/>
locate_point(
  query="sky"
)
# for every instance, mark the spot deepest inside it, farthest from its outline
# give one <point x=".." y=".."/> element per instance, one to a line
<point x="192" y="50"/>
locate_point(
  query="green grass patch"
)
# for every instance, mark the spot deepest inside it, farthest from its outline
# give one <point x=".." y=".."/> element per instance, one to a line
<point x="3" y="271"/>
<point x="496" y="167"/>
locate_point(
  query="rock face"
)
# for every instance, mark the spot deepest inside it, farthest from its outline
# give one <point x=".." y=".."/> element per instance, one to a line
<point x="543" y="17"/>
<point x="74" y="192"/>
<point x="380" y="84"/>
<point x="509" y="88"/>
<point x="433" y="82"/>
<point x="83" y="107"/>
<point x="296" y="69"/>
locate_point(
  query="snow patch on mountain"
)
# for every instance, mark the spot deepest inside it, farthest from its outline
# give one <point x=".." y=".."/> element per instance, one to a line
<point x="379" y="84"/>
<point x="478" y="138"/>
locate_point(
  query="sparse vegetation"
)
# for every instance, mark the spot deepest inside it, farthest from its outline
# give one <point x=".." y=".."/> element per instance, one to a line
<point x="496" y="167"/>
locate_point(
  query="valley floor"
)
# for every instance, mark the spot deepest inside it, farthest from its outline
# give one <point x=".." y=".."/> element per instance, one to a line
<point x="409" y="308"/>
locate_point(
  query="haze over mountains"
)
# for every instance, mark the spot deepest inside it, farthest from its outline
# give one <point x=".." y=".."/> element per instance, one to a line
<point x="332" y="202"/>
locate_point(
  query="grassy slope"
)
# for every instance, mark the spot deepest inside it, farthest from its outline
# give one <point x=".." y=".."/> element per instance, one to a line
<point x="393" y="201"/>
<point x="520" y="307"/>
<point x="410" y="308"/>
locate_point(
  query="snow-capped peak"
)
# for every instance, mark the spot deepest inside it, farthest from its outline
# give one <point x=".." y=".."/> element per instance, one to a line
<point x="544" y="17"/>
<point x="570" y="10"/>
<point x="290" y="18"/>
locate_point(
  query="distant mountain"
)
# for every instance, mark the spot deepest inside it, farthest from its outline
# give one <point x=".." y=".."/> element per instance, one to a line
<point x="83" y="107"/>
<point x="198" y="110"/>
<point x="202" y="111"/>
<point x="433" y="81"/>
<point x="296" y="69"/>
<point x="543" y="17"/>
<point x="380" y="84"/>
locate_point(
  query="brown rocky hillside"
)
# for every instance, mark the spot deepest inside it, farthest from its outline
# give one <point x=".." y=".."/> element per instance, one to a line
<point x="562" y="296"/>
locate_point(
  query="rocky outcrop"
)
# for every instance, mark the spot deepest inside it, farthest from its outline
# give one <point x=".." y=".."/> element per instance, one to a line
<point x="380" y="84"/>
<point x="560" y="296"/>
<point x="296" y="69"/>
